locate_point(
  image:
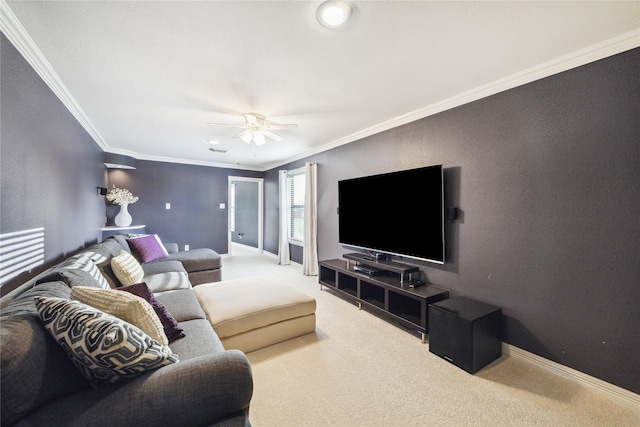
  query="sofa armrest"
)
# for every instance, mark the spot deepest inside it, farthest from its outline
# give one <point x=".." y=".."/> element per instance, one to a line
<point x="171" y="247"/>
<point x="193" y="392"/>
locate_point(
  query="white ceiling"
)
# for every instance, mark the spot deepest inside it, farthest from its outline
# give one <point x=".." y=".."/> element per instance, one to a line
<point x="145" y="77"/>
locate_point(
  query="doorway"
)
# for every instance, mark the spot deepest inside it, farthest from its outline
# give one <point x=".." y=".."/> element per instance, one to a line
<point x="245" y="213"/>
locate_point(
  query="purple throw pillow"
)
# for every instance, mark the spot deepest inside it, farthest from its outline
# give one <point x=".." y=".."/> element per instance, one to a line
<point x="172" y="329"/>
<point x="147" y="248"/>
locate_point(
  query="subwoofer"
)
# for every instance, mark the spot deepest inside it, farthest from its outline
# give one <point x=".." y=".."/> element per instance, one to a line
<point x="465" y="332"/>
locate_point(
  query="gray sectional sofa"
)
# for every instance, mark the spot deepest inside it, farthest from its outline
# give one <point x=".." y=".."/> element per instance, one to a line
<point x="202" y="265"/>
<point x="41" y="386"/>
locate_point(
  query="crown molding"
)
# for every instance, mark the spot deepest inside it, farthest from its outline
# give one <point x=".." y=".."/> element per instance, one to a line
<point x="199" y="163"/>
<point x="610" y="47"/>
<point x="16" y="33"/>
<point x="19" y="37"/>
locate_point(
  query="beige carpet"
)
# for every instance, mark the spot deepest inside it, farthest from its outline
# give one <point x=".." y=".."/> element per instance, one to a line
<point x="359" y="370"/>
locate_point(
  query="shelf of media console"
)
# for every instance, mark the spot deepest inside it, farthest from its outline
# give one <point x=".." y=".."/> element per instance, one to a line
<point x="404" y="271"/>
<point x="383" y="294"/>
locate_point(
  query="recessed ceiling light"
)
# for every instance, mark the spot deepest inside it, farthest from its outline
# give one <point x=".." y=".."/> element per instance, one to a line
<point x="213" y="142"/>
<point x="333" y="13"/>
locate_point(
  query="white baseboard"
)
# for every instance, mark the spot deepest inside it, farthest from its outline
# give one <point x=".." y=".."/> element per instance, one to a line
<point x="613" y="392"/>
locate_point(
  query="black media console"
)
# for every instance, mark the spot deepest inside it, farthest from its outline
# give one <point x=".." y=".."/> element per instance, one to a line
<point x="383" y="287"/>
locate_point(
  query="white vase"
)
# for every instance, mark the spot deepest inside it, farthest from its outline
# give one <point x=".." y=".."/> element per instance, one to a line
<point x="123" y="219"/>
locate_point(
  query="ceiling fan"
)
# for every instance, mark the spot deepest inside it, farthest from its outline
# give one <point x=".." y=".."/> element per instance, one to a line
<point x="257" y="129"/>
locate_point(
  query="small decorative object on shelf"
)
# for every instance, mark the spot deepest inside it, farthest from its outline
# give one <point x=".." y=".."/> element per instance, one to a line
<point x="122" y="197"/>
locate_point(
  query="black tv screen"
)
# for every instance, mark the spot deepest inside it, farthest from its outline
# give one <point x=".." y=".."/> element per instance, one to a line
<point x="397" y="213"/>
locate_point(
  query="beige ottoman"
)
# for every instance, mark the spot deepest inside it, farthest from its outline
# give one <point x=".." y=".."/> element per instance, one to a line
<point x="256" y="312"/>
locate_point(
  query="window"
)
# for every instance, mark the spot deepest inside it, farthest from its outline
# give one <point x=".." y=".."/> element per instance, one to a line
<point x="295" y="187"/>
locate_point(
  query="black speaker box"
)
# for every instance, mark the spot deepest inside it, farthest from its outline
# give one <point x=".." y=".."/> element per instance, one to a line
<point x="465" y="332"/>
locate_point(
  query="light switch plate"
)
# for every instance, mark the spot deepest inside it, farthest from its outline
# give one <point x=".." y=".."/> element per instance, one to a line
<point x="167" y="205"/>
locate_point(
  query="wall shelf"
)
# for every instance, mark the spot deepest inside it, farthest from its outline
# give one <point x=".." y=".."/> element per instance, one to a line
<point x="113" y="230"/>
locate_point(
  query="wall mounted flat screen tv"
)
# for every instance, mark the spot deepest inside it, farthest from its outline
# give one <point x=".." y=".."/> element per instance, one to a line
<point x="398" y="213"/>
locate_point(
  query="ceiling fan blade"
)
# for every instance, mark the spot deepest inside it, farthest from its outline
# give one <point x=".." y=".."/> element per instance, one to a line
<point x="253" y="118"/>
<point x="280" y="126"/>
<point x="259" y="139"/>
<point x="245" y="135"/>
<point x="272" y="135"/>
<point x="242" y="126"/>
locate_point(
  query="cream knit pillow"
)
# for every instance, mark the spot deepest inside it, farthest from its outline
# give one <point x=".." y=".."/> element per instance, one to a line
<point x="127" y="269"/>
<point x="124" y="305"/>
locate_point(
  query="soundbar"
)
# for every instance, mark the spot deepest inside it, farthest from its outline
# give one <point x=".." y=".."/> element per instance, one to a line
<point x="369" y="271"/>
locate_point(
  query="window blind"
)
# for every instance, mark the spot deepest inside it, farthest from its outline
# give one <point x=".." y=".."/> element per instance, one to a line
<point x="296" y="204"/>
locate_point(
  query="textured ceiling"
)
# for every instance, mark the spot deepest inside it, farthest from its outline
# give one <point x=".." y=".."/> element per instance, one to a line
<point x="147" y="76"/>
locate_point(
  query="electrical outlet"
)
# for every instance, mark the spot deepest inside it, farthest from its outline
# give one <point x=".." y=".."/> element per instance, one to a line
<point x="222" y="206"/>
<point x="186" y="247"/>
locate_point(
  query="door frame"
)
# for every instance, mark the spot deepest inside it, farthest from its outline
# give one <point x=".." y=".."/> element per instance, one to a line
<point x="260" y="182"/>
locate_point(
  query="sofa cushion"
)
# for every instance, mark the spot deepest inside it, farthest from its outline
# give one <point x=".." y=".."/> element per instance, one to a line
<point x="172" y="329"/>
<point x="169" y="281"/>
<point x="182" y="304"/>
<point x="112" y="245"/>
<point x="107" y="271"/>
<point x="126" y="306"/>
<point x="147" y="248"/>
<point x="33" y="371"/>
<point x="200" y="340"/>
<point x="103" y="347"/>
<point x="126" y="268"/>
<point x="122" y="241"/>
<point x="166" y="266"/>
<point x="101" y="255"/>
<point x="96" y="253"/>
<point x="24" y="303"/>
<point x="208" y="276"/>
<point x="171" y="247"/>
<point x="198" y="259"/>
<point x="79" y="270"/>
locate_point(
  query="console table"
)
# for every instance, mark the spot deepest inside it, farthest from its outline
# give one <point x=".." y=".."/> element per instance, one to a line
<point x="389" y="293"/>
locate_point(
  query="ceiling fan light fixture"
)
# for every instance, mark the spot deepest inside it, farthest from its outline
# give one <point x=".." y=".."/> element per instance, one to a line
<point x="256" y="129"/>
<point x="246" y="137"/>
<point x="333" y="13"/>
<point x="259" y="139"/>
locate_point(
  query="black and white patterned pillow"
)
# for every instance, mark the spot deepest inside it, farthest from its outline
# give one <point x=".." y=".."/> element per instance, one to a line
<point x="103" y="347"/>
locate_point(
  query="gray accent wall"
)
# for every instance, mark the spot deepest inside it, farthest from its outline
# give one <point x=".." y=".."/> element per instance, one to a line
<point x="195" y="194"/>
<point x="545" y="175"/>
<point x="547" y="180"/>
<point x="49" y="165"/>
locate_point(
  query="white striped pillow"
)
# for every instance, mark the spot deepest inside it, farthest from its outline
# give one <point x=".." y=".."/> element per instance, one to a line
<point x="127" y="269"/>
<point x="84" y="263"/>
